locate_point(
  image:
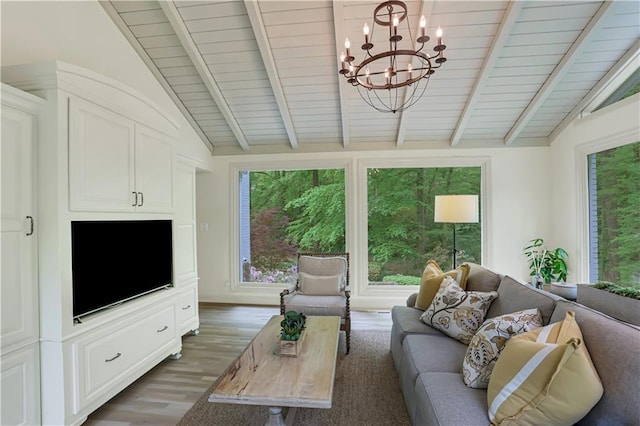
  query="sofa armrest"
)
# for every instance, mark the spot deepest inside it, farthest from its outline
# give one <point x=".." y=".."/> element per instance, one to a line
<point x="411" y="300"/>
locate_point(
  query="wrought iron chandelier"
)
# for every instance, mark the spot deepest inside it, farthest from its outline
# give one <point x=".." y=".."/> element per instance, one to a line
<point x="380" y="76"/>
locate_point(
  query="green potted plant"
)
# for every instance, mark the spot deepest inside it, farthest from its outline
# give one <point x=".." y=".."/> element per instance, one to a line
<point x="292" y="333"/>
<point x="292" y="325"/>
<point x="546" y="265"/>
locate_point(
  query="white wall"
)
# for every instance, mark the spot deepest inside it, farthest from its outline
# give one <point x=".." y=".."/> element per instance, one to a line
<point x="81" y="33"/>
<point x="517" y="209"/>
<point x="615" y="125"/>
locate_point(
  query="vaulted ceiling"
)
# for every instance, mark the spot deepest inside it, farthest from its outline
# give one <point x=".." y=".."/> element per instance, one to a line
<point x="262" y="76"/>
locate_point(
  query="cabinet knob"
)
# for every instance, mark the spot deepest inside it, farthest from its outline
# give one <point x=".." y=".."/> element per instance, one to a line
<point x="135" y="199"/>
<point x="162" y="329"/>
<point x="186" y="307"/>
<point x="141" y="199"/>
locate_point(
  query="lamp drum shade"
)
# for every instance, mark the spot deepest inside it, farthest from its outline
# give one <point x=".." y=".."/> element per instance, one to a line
<point x="456" y="209"/>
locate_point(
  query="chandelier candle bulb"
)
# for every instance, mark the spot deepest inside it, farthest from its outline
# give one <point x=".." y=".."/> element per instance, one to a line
<point x="347" y="46"/>
<point x="423" y="25"/>
<point x="439" y="35"/>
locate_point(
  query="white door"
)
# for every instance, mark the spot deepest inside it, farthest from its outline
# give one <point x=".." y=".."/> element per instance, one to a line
<point x="101" y="159"/>
<point x="20" y="374"/>
<point x="154" y="171"/>
<point x="19" y="296"/>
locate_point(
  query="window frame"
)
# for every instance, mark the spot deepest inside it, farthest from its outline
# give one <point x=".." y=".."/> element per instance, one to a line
<point x="256" y="166"/>
<point x="583" y="222"/>
<point x="362" y="280"/>
<point x="586" y="227"/>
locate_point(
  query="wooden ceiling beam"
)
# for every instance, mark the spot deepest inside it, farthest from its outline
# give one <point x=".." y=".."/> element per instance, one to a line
<point x="558" y="73"/>
<point x="255" y="16"/>
<point x="179" y="27"/>
<point x="338" y="25"/>
<point x="605" y="87"/>
<point x="427" y="10"/>
<point x="506" y="26"/>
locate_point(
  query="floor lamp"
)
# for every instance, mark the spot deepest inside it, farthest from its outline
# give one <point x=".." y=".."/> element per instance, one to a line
<point x="456" y="209"/>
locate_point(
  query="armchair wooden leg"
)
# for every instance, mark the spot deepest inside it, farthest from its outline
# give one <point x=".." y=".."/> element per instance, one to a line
<point x="348" y="333"/>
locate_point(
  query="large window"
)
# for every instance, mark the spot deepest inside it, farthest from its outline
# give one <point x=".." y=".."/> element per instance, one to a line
<point x="614" y="218"/>
<point x="401" y="228"/>
<point x="283" y="212"/>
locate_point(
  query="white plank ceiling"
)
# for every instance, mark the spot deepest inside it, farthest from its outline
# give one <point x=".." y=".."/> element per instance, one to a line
<point x="262" y="76"/>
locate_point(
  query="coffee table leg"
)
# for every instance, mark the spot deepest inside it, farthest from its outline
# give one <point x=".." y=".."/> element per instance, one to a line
<point x="275" y="417"/>
<point x="291" y="414"/>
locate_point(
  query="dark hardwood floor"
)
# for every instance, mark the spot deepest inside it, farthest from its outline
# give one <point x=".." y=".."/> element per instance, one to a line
<point x="164" y="394"/>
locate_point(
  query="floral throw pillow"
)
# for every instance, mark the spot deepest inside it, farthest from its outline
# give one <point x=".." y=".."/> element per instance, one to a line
<point x="487" y="344"/>
<point x="457" y="313"/>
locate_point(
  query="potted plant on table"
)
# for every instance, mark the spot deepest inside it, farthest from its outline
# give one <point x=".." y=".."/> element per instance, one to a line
<point x="549" y="266"/>
<point x="292" y="333"/>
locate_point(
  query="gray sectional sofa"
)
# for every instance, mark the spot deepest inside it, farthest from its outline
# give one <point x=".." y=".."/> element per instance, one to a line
<point x="429" y="363"/>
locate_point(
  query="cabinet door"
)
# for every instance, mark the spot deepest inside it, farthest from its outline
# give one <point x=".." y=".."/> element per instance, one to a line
<point x="101" y="159"/>
<point x="154" y="171"/>
<point x="19" y="295"/>
<point x="184" y="226"/>
<point x="20" y="387"/>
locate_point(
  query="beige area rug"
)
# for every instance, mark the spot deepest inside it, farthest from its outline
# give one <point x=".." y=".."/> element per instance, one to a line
<point x="366" y="392"/>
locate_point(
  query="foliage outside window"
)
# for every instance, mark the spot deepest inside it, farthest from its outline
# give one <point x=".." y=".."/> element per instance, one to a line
<point x="289" y="211"/>
<point x="614" y="203"/>
<point x="402" y="233"/>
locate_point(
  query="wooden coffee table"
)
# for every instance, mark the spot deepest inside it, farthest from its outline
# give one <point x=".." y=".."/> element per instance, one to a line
<point x="260" y="376"/>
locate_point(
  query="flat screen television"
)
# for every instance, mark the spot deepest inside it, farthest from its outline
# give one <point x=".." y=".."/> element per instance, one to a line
<point x="116" y="261"/>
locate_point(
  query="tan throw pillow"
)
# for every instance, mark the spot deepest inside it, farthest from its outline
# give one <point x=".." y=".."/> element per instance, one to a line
<point x="544" y="377"/>
<point x="457" y="313"/>
<point x="432" y="278"/>
<point x="488" y="342"/>
<point x="319" y="285"/>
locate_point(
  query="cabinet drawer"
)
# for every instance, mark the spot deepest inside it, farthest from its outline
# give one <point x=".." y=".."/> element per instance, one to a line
<point x="187" y="309"/>
<point x="109" y="358"/>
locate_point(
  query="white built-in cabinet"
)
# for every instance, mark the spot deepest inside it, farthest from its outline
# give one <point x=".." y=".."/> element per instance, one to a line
<point x="116" y="164"/>
<point x="20" y="351"/>
<point x="104" y="153"/>
<point x="186" y="269"/>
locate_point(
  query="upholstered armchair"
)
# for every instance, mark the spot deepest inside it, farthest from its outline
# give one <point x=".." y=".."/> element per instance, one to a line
<point x="322" y="289"/>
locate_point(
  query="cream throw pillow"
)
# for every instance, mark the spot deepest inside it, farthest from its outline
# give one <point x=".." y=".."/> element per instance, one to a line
<point x="488" y="342"/>
<point x="544" y="377"/>
<point x="457" y="313"/>
<point x="432" y="278"/>
<point x="320" y="285"/>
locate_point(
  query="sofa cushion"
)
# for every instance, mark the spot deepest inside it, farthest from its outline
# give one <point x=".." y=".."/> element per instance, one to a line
<point x="482" y="279"/>
<point x="406" y="321"/>
<point x="539" y="372"/>
<point x="442" y="399"/>
<point x="456" y="312"/>
<point x="488" y="342"/>
<point x="427" y="353"/>
<point x="513" y="296"/>
<point x="432" y="278"/>
<point x="614" y="347"/>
